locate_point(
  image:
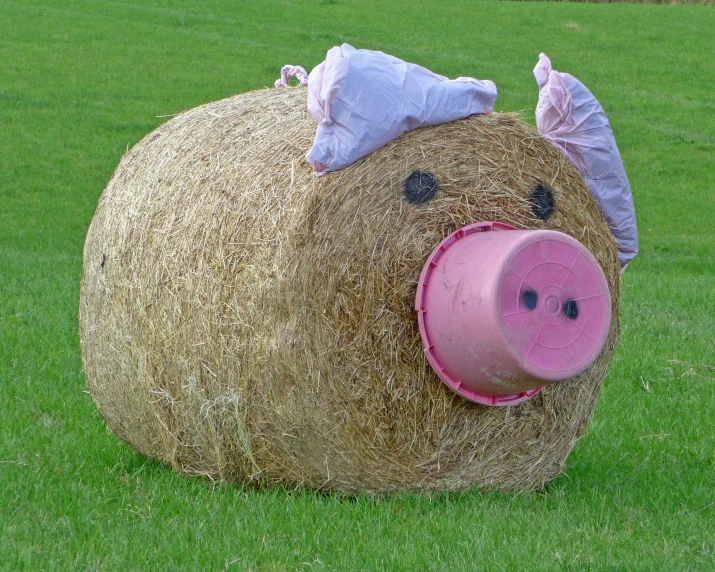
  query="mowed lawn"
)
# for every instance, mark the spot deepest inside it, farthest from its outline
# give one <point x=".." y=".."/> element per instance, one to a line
<point x="81" y="81"/>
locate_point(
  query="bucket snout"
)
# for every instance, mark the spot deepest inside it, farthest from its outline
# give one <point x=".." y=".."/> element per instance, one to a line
<point x="503" y="312"/>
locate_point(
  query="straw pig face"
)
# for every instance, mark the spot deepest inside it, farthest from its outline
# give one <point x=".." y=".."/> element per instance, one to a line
<point x="369" y="230"/>
<point x="244" y="320"/>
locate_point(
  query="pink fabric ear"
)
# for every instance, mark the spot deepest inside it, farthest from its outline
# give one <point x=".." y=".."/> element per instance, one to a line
<point x="573" y="120"/>
<point x="363" y="99"/>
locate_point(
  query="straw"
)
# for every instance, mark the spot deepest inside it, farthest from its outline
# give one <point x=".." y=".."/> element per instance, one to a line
<point x="245" y="321"/>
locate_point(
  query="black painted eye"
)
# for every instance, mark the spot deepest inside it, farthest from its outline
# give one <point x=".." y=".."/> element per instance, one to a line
<point x="543" y="204"/>
<point x="571" y="309"/>
<point x="530" y="299"/>
<point x="420" y="187"/>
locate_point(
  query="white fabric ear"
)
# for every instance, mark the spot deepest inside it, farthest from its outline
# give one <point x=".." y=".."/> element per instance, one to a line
<point x="572" y="118"/>
<point x="364" y="99"/>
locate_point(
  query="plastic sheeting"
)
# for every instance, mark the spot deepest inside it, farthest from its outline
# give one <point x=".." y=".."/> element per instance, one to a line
<point x="288" y="72"/>
<point x="364" y="99"/>
<point x="572" y="118"/>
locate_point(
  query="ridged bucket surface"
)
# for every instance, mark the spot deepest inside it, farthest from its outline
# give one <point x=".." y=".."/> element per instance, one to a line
<point x="503" y="313"/>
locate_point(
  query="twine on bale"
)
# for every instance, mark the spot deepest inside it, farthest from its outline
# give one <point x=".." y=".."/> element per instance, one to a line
<point x="245" y="321"/>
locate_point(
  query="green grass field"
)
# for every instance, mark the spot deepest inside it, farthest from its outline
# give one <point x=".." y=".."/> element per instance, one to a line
<point x="81" y="81"/>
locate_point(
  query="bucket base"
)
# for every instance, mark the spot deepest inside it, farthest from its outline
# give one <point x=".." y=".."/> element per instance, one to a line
<point x="502" y="314"/>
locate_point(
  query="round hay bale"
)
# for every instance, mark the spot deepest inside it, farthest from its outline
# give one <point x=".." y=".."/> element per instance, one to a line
<point x="243" y="320"/>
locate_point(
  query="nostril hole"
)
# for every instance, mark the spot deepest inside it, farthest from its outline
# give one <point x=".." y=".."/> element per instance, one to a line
<point x="571" y="309"/>
<point x="530" y="299"/>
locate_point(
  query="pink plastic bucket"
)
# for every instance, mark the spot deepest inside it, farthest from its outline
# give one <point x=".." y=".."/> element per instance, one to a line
<point x="503" y="313"/>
